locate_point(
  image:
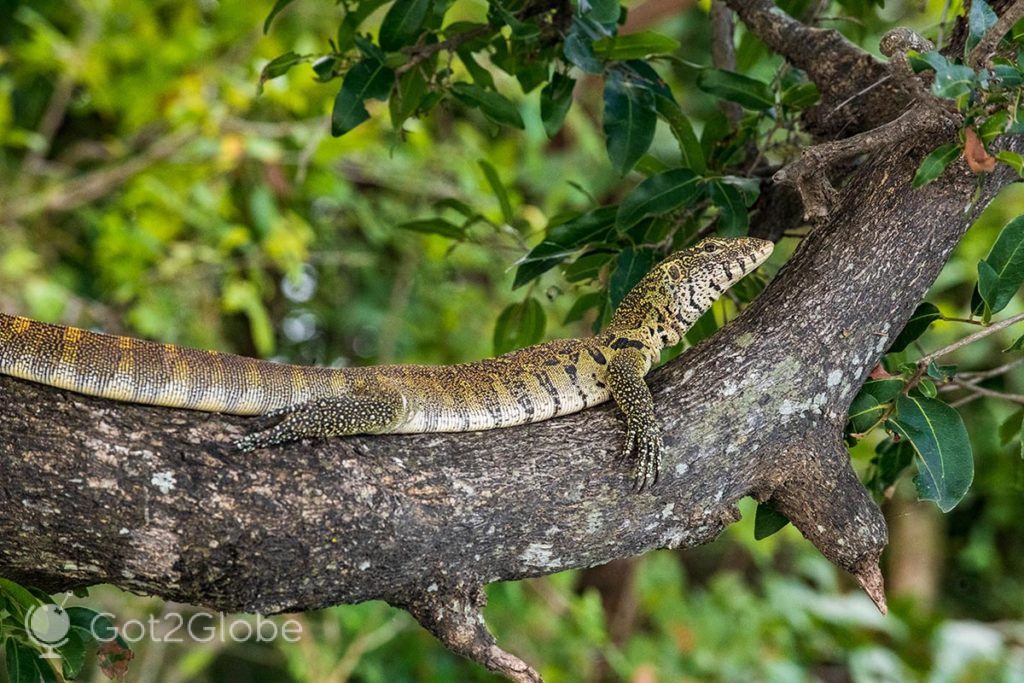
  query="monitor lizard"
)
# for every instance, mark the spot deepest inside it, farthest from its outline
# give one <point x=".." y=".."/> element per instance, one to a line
<point x="529" y="385"/>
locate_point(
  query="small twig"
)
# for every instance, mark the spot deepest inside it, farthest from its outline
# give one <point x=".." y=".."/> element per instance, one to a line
<point x="969" y="398"/>
<point x="723" y="52"/>
<point x="982" y="375"/>
<point x="973" y="378"/>
<point x="63" y="90"/>
<point x="969" y="321"/>
<point x="807" y="173"/>
<point x="928" y="114"/>
<point x="991" y="393"/>
<point x="942" y="22"/>
<point x="91" y="186"/>
<point x="990" y="41"/>
<point x="421" y="53"/>
<point x="814" y="50"/>
<point x="969" y="339"/>
<point x="926" y="360"/>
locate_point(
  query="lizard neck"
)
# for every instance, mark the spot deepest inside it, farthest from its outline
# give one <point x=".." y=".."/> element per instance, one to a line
<point x="662" y="307"/>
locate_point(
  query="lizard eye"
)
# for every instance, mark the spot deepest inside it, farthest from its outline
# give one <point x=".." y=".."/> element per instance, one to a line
<point x="710" y="248"/>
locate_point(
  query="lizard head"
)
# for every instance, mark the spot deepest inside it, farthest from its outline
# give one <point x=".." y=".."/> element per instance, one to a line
<point x="724" y="260"/>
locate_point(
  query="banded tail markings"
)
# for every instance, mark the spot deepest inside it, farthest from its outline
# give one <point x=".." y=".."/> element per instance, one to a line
<point x="139" y="371"/>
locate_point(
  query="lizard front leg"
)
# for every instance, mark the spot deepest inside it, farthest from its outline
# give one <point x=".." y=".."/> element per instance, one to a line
<point x="325" y="417"/>
<point x="643" y="434"/>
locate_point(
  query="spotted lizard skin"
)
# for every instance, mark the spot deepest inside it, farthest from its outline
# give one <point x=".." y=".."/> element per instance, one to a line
<point x="529" y="385"/>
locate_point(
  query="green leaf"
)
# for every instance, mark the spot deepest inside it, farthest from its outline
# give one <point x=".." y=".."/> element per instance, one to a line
<point x="349" y="27"/>
<point x="563" y="240"/>
<point x="481" y="76"/>
<point x="412" y="87"/>
<point x="631" y="265"/>
<point x="498" y="188"/>
<point x="657" y="195"/>
<point x="735" y="87"/>
<point x="635" y="46"/>
<point x="801" y="96"/>
<point x="951" y="80"/>
<point x="274" y="11"/>
<point x="733" y="220"/>
<point x="864" y="412"/>
<point x="495" y="106"/>
<point x="940" y="441"/>
<point x="91" y="624"/>
<point x="242" y="296"/>
<point x="927" y="388"/>
<point x="994" y="126"/>
<point x="768" y="521"/>
<point x="1001" y="274"/>
<point x="987" y="283"/>
<point x="980" y="19"/>
<point x="555" y="100"/>
<point x="884" y="390"/>
<point x="491" y="173"/>
<point x="401" y="24"/>
<point x="434" y="226"/>
<point x="1010" y="76"/>
<point x="942" y="373"/>
<point x="1017" y="345"/>
<point x="1013" y="160"/>
<point x="604" y="11"/>
<point x="578" y="47"/>
<point x="1011" y="426"/>
<point x="369" y="79"/>
<point x="21" y="662"/>
<point x="689" y="146"/>
<point x="891" y="461"/>
<point x="278" y="66"/>
<point x="72" y="654"/>
<point x="935" y="163"/>
<point x="582" y="305"/>
<point x="518" y="326"/>
<point x="629" y="121"/>
<point x="924" y="315"/>
<point x="24" y="600"/>
<point x="586" y="267"/>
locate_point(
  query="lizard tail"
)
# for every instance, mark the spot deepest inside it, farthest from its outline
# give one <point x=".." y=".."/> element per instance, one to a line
<point x="138" y="371"/>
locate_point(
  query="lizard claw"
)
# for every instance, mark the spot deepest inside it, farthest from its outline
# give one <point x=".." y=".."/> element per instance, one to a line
<point x="643" y="445"/>
<point x="278" y="434"/>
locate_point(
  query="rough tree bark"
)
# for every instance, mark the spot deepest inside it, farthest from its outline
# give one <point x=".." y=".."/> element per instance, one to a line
<point x="155" y="500"/>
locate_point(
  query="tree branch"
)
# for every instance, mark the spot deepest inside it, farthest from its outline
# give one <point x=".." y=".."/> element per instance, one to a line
<point x="856" y="93"/>
<point x="927" y="116"/>
<point x="88" y="187"/>
<point x="986" y="47"/>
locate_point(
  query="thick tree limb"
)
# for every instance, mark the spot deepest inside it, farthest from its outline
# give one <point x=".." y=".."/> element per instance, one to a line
<point x="927" y="116"/>
<point x="155" y="501"/>
<point x="856" y="91"/>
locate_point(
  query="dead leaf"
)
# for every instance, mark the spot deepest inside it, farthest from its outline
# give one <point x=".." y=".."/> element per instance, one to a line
<point x="878" y="372"/>
<point x="112" y="658"/>
<point x="976" y="155"/>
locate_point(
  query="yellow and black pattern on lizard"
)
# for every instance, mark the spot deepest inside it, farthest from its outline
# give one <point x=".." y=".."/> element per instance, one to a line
<point x="529" y="385"/>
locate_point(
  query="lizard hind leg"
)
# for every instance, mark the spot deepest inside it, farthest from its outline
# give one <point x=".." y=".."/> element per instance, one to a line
<point x="325" y="417"/>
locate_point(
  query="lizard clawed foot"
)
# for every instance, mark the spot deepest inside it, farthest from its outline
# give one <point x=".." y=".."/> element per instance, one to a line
<point x="278" y="434"/>
<point x="643" y="446"/>
<point x="325" y="417"/>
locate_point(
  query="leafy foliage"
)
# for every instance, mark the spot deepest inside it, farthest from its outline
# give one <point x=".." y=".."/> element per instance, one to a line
<point x="33" y="625"/>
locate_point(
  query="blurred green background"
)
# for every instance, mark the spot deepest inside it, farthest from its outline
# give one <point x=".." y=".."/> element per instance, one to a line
<point x="145" y="189"/>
